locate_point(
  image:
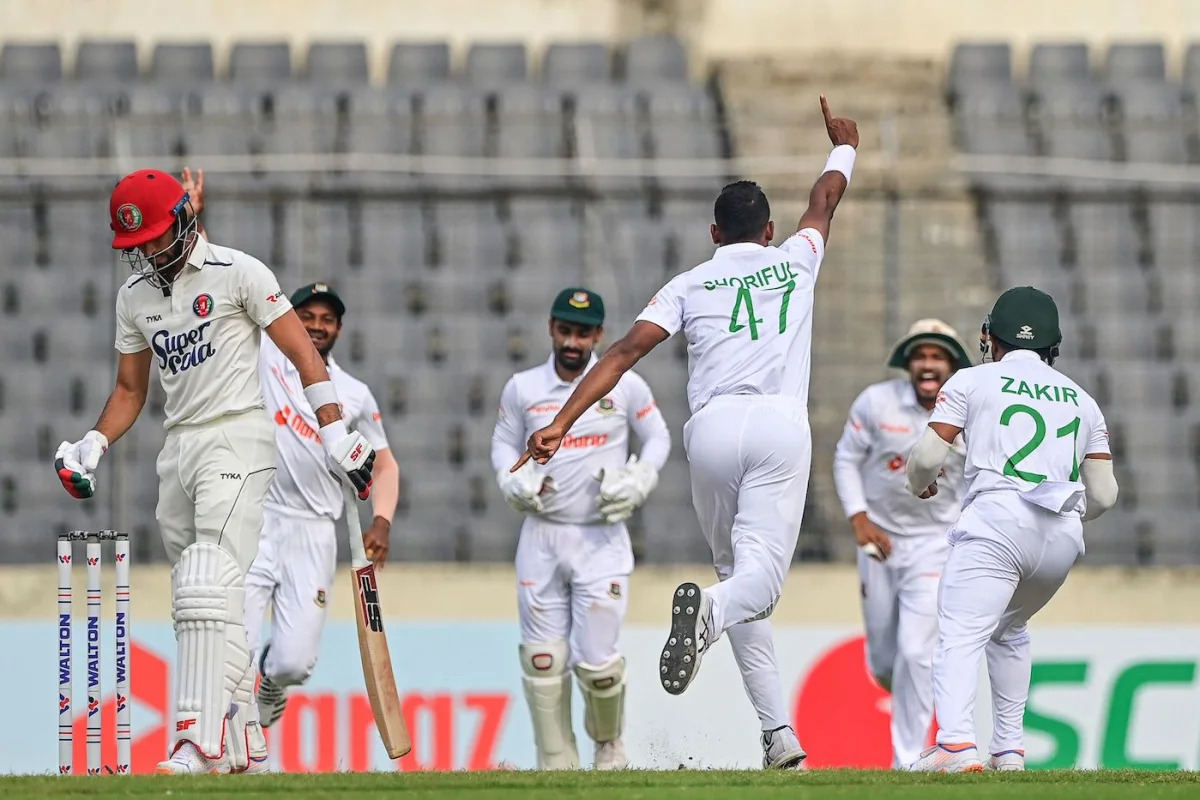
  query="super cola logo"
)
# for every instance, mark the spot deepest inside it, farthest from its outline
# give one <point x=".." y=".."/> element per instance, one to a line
<point x="182" y="351"/>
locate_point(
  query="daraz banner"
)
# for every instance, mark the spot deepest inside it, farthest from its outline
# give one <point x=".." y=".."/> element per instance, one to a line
<point x="1112" y="697"/>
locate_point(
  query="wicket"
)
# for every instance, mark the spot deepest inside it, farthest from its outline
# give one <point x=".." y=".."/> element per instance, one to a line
<point x="66" y="738"/>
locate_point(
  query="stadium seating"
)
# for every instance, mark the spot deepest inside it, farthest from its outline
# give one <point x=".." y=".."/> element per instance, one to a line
<point x="447" y="277"/>
<point x="1123" y="259"/>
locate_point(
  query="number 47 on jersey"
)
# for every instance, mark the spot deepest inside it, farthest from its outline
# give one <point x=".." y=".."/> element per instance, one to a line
<point x="743" y="304"/>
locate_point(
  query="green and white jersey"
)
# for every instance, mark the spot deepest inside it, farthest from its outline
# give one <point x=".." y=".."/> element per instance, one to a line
<point x="747" y="317"/>
<point x="1026" y="426"/>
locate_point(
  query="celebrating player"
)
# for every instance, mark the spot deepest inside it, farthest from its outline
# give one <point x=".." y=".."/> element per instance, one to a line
<point x="574" y="557"/>
<point x="902" y="540"/>
<point x="747" y="316"/>
<point x="1037" y="463"/>
<point x="297" y="555"/>
<point x="194" y="310"/>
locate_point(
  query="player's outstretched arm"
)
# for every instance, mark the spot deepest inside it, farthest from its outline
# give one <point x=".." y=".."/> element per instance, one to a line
<point x="600" y="380"/>
<point x="828" y="190"/>
<point x="1099" y="484"/>
<point x="926" y="459"/>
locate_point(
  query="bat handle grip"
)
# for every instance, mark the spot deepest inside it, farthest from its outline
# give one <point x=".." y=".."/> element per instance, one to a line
<point x="358" y="551"/>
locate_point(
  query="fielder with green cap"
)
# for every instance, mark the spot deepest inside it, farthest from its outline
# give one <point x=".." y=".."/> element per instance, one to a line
<point x="1037" y="466"/>
<point x="901" y="539"/>
<point x="574" y="556"/>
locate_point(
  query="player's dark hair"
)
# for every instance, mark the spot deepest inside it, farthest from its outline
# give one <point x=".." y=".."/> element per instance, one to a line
<point x="741" y="212"/>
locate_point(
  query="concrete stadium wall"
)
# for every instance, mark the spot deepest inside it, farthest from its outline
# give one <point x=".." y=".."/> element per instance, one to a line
<point x="715" y="28"/>
<point x="814" y="595"/>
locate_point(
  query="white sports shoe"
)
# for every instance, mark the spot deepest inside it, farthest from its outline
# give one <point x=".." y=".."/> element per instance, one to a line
<point x="257" y="746"/>
<point x="691" y="635"/>
<point x="782" y="750"/>
<point x="610" y="755"/>
<point x="188" y="760"/>
<point x="271" y="697"/>
<point x="948" y="758"/>
<point x="1007" y="761"/>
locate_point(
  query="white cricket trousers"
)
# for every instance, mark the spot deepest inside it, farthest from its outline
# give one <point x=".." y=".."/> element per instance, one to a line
<point x="293" y="574"/>
<point x="1007" y="559"/>
<point x="749" y="458"/>
<point x="573" y="586"/>
<point x="899" y="605"/>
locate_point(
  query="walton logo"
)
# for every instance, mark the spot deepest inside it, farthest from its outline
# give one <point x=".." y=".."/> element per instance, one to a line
<point x="182" y="351"/>
<point x="1026" y="332"/>
<point x="64" y="655"/>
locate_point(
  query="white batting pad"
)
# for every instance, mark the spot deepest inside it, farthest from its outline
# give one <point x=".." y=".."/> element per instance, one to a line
<point x="603" y="690"/>
<point x="213" y="655"/>
<point x="548" y="691"/>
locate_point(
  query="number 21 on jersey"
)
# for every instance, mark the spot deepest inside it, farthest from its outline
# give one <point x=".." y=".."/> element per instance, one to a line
<point x="1039" y="435"/>
<point x="743" y="309"/>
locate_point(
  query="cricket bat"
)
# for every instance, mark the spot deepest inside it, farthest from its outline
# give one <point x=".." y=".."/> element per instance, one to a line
<point x="372" y="640"/>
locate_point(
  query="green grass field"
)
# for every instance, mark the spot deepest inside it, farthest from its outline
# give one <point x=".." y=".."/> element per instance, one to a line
<point x="697" y="785"/>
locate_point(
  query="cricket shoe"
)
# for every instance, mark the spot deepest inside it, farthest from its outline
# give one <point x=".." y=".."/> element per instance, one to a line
<point x="948" y="758"/>
<point x="256" y="743"/>
<point x="188" y="760"/>
<point x="1007" y="761"/>
<point x="610" y="755"/>
<point x="782" y="750"/>
<point x="691" y="634"/>
<point x="271" y="697"/>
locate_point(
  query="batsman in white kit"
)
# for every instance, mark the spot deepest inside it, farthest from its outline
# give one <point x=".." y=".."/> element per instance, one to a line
<point x="1037" y="466"/>
<point x="297" y="555"/>
<point x="747" y="316"/>
<point x="195" y="310"/>
<point x="901" y="539"/>
<point x="574" y="557"/>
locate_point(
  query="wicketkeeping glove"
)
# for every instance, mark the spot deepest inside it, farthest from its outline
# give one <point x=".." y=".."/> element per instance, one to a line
<point x="76" y="464"/>
<point x="352" y="455"/>
<point x="522" y="489"/>
<point x="623" y="490"/>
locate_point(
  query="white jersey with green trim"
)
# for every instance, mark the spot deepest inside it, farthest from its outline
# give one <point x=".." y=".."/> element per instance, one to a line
<point x="1026" y="426"/>
<point x="747" y="317"/>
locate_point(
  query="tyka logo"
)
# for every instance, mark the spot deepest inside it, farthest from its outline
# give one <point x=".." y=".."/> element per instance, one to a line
<point x="182" y="351"/>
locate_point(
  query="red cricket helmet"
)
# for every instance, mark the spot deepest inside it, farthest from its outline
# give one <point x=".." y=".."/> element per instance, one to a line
<point x="143" y="206"/>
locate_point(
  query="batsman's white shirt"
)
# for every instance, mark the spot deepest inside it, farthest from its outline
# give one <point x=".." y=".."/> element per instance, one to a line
<point x="1027" y="427"/>
<point x="303" y="486"/>
<point x="598" y="440"/>
<point x="204" y="331"/>
<point x="747" y="317"/>
<point x="884" y="425"/>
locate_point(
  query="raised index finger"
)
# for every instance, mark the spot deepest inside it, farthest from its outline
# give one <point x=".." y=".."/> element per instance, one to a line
<point x="825" y="110"/>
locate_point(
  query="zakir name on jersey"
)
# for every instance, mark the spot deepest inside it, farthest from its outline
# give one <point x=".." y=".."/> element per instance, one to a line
<point x="780" y="273"/>
<point x="180" y="351"/>
<point x="1053" y="394"/>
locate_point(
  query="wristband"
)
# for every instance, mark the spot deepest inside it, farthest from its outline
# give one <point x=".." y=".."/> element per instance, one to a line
<point x="333" y="432"/>
<point x="320" y="394"/>
<point x="841" y="159"/>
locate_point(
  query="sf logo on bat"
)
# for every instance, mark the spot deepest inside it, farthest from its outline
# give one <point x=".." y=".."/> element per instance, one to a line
<point x="369" y="595"/>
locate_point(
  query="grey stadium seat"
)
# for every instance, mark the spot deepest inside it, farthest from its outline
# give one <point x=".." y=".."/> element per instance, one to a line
<point x="182" y="63"/>
<point x="418" y="62"/>
<point x="1136" y="61"/>
<point x="260" y="63"/>
<point x="1174" y="235"/>
<point x="155" y="124"/>
<point x="97" y="60"/>
<point x="570" y="63"/>
<point x="1071" y="120"/>
<point x="655" y="58"/>
<point x="30" y="62"/>
<point x="1058" y="61"/>
<point x="342" y="63"/>
<point x="1153" y="125"/>
<point x="451" y="120"/>
<point x="491" y="64"/>
<point x="530" y="124"/>
<point x="980" y="62"/>
<point x="1105" y="235"/>
<point x="605" y="126"/>
<point x="990" y="120"/>
<point x="683" y="121"/>
<point x="1191" y="67"/>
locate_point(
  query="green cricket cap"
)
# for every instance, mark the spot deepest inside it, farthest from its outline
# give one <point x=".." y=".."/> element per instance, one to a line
<point x="319" y="291"/>
<point x="1026" y="318"/>
<point x="578" y="305"/>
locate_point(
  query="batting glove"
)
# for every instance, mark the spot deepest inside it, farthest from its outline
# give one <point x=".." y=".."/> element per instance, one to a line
<point x="351" y="454"/>
<point x="76" y="464"/>
<point x="623" y="490"/>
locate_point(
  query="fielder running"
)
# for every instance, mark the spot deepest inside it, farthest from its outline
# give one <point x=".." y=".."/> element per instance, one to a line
<point x="574" y="557"/>
<point x="747" y="316"/>
<point x="297" y="554"/>
<point x="1037" y="464"/>
<point x="902" y="540"/>
<point x="195" y="310"/>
